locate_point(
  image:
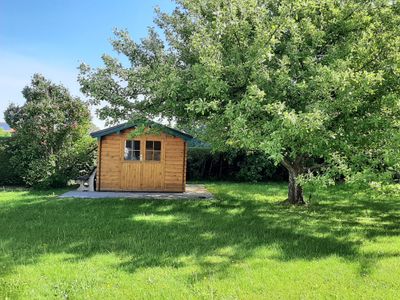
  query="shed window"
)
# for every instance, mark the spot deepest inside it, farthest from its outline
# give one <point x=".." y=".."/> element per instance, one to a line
<point x="132" y="150"/>
<point x="153" y="150"/>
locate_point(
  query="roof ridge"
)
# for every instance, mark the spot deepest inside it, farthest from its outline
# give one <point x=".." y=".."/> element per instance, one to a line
<point x="127" y="125"/>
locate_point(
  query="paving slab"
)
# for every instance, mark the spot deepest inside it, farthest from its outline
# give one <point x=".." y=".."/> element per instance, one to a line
<point x="193" y="191"/>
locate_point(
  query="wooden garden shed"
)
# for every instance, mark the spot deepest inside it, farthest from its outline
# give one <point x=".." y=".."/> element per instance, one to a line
<point x="149" y="162"/>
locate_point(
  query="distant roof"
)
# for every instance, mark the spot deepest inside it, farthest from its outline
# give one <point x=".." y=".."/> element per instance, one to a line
<point x="120" y="127"/>
<point x="5" y="126"/>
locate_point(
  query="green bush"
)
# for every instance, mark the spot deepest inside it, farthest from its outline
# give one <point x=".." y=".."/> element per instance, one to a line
<point x="8" y="174"/>
<point x="57" y="170"/>
<point x="79" y="159"/>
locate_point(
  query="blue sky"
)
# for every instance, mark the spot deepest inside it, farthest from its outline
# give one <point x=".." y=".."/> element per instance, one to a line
<point x="53" y="37"/>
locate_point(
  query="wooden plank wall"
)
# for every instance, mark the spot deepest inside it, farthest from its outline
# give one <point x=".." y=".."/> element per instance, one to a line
<point x="116" y="174"/>
<point x="174" y="164"/>
<point x="110" y="166"/>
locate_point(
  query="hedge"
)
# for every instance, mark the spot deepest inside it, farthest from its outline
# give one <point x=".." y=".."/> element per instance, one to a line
<point x="235" y="166"/>
<point x="8" y="175"/>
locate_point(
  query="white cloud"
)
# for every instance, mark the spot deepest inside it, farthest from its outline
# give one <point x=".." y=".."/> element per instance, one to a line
<point x="16" y="71"/>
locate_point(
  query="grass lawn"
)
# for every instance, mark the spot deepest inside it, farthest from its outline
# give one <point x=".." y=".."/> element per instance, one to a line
<point x="242" y="245"/>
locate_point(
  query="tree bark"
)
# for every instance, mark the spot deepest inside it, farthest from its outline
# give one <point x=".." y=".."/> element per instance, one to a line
<point x="295" y="191"/>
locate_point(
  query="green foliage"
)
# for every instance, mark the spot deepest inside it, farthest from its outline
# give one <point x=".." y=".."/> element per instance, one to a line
<point x="40" y="172"/>
<point x="8" y="174"/>
<point x="302" y="81"/>
<point x="203" y="164"/>
<point x="242" y="245"/>
<point x="50" y="145"/>
<point x="144" y="127"/>
<point x="197" y="159"/>
<point x="256" y="167"/>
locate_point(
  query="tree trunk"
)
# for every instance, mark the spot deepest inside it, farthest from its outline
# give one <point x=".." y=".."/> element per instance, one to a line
<point x="221" y="161"/>
<point x="295" y="191"/>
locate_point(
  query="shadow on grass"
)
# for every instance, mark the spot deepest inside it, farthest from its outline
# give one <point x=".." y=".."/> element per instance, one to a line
<point x="212" y="233"/>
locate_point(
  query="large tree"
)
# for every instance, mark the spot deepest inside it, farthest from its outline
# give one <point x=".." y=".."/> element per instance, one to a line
<point x="51" y="143"/>
<point x="314" y="84"/>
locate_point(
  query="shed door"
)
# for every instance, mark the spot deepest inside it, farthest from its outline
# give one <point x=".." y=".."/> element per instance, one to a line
<point x="143" y="165"/>
<point x="131" y="176"/>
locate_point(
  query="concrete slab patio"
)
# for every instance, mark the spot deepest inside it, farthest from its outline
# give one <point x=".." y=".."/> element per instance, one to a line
<point x="193" y="191"/>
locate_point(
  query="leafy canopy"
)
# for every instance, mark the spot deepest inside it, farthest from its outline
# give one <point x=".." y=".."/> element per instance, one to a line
<point x="51" y="142"/>
<point x="311" y="83"/>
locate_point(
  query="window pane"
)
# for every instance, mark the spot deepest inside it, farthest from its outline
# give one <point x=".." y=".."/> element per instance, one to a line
<point x="128" y="154"/>
<point x="157" y="145"/>
<point x="137" y="145"/>
<point x="136" y="155"/>
<point x="157" y="155"/>
<point x="149" y="155"/>
<point x="132" y="150"/>
<point x="149" y="145"/>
